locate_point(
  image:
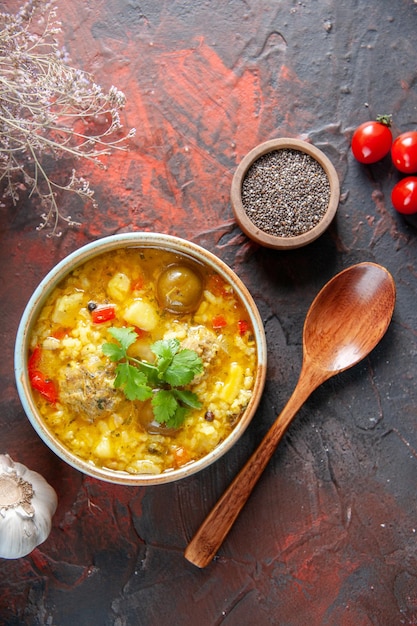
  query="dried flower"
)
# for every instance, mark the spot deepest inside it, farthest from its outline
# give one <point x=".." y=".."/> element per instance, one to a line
<point x="49" y="110"/>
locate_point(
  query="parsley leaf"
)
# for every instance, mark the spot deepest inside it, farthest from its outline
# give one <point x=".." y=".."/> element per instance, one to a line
<point x="113" y="351"/>
<point x="140" y="380"/>
<point x="188" y="397"/>
<point x="164" y="405"/>
<point x="178" y="418"/>
<point x="185" y="365"/>
<point x="167" y="409"/>
<point x="165" y="350"/>
<point x="124" y="337"/>
<point x="133" y="382"/>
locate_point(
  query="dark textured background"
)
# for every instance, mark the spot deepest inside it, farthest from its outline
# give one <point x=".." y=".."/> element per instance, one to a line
<point x="329" y="535"/>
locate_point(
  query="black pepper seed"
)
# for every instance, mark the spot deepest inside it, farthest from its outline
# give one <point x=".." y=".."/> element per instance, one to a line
<point x="91" y="306"/>
<point x="285" y="192"/>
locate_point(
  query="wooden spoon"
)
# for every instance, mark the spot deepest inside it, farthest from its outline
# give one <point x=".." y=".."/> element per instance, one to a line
<point x="345" y="322"/>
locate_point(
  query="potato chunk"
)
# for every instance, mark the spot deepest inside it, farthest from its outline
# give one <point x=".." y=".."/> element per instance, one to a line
<point x="233" y="383"/>
<point x="141" y="314"/>
<point x="67" y="308"/>
<point x="118" y="286"/>
<point x="104" y="448"/>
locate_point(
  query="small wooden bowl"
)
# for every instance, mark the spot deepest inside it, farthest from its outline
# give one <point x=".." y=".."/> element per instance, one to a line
<point x="292" y="241"/>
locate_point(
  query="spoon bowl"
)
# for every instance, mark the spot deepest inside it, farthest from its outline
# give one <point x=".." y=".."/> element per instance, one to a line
<point x="346" y="320"/>
<point x="361" y="299"/>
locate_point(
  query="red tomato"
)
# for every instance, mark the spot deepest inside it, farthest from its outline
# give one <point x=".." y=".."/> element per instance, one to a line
<point x="34" y="359"/>
<point x="372" y="141"/>
<point x="140" y="332"/>
<point x="59" y="333"/>
<point x="103" y="313"/>
<point x="219" y="287"/>
<point x="243" y="326"/>
<point x="138" y="284"/>
<point x="404" y="152"/>
<point x="38" y="381"/>
<point x="404" y="196"/>
<point x="45" y="386"/>
<point x="218" y="322"/>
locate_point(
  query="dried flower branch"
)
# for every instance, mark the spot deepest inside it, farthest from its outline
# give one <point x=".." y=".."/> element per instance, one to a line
<point x="49" y="109"/>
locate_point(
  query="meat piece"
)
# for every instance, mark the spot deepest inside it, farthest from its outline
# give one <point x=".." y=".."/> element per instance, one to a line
<point x="89" y="392"/>
<point x="204" y="342"/>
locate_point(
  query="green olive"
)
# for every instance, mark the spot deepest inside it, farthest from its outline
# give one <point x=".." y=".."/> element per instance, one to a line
<point x="179" y="289"/>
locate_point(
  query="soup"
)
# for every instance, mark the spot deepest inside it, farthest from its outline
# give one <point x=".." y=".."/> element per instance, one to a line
<point x="159" y="296"/>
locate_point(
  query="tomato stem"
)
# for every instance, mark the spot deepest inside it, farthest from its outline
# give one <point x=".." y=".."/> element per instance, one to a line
<point x="384" y="119"/>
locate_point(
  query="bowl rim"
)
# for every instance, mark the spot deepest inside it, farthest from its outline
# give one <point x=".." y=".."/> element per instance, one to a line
<point x="273" y="241"/>
<point x="52" y="279"/>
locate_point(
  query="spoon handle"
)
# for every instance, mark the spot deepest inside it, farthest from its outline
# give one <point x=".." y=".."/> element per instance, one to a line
<point x="209" y="537"/>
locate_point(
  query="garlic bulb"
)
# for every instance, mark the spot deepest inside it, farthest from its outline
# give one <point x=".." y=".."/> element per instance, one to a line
<point x="27" y="504"/>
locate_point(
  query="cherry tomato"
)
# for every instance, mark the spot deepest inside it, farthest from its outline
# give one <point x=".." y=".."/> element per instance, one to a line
<point x="404" y="195"/>
<point x="404" y="152"/>
<point x="372" y="140"/>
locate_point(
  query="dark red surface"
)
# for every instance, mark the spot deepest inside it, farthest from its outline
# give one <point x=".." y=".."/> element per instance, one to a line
<point x="329" y="536"/>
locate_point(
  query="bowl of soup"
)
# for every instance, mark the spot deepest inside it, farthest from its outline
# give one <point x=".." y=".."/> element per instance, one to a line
<point x="140" y="358"/>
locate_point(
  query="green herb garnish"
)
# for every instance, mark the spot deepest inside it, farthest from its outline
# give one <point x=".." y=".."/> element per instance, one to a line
<point x="174" y="367"/>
